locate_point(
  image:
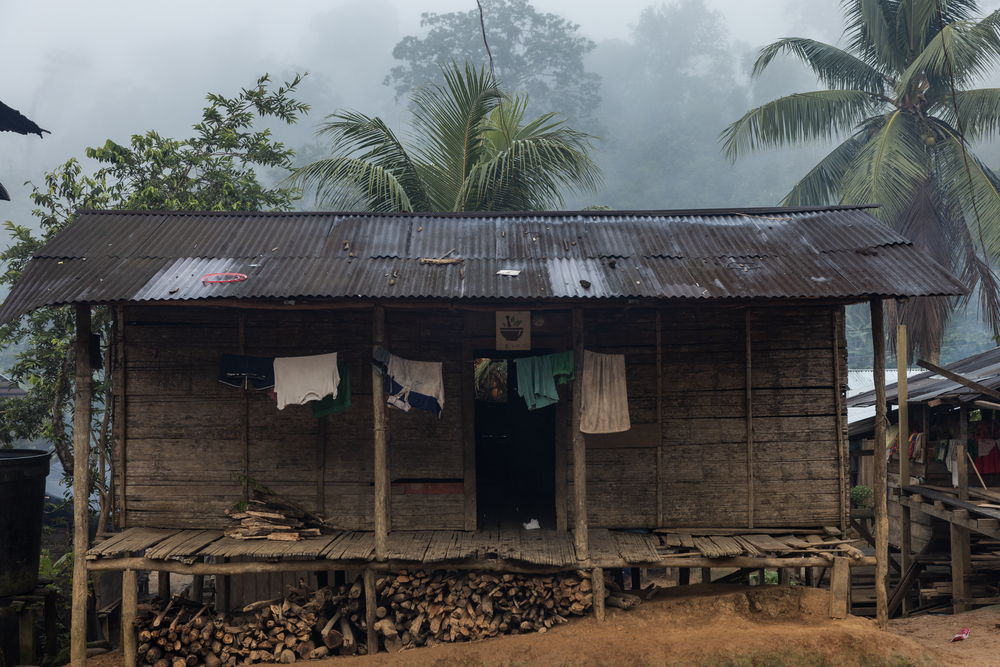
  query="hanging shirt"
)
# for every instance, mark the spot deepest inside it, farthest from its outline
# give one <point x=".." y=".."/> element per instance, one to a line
<point x="604" y="399"/>
<point x="564" y="366"/>
<point x="536" y="381"/>
<point x="237" y="370"/>
<point x="332" y="405"/>
<point x="298" y="380"/>
<point x="411" y="384"/>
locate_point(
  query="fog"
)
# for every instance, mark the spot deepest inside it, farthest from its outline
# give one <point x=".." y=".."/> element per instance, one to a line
<point x="107" y="69"/>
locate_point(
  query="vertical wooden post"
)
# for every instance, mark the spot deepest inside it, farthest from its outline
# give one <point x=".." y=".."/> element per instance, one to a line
<point x="81" y="485"/>
<point x="749" y="420"/>
<point x="659" y="418"/>
<point x="597" y="588"/>
<point x="468" y="407"/>
<point x="245" y="418"/>
<point x="163" y="585"/>
<point x="129" y="610"/>
<point x="903" y="397"/>
<point x="381" y="426"/>
<point x="321" y="429"/>
<point x="26" y="634"/>
<point x="960" y="544"/>
<point x="840" y="588"/>
<point x="581" y="538"/>
<point x="961" y="462"/>
<point x="880" y="486"/>
<point x="198" y="588"/>
<point x="839" y="423"/>
<point x="371" y="602"/>
<point x="118" y="422"/>
<point x="960" y="563"/>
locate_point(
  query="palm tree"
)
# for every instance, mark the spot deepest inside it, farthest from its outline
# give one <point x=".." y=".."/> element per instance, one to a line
<point x="470" y="149"/>
<point x="900" y="102"/>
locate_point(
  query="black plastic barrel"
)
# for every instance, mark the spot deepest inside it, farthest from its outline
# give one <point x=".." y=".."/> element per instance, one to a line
<point x="22" y="501"/>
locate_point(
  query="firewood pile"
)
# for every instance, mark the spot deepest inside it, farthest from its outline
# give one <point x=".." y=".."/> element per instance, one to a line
<point x="415" y="609"/>
<point x="304" y="624"/>
<point x="422" y="609"/>
<point x="268" y="518"/>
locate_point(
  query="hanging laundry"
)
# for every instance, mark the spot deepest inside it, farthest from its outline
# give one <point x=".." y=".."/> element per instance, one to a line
<point x="918" y="445"/>
<point x="411" y="384"/>
<point x="564" y="366"/>
<point x="604" y="399"/>
<point x="298" y="380"/>
<point x="332" y="405"/>
<point x="990" y="464"/>
<point x="237" y="370"/>
<point x="536" y="381"/>
<point x="984" y="446"/>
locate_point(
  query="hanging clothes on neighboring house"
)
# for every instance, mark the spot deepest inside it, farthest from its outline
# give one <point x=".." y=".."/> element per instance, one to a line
<point x="411" y="384"/>
<point x="990" y="463"/>
<point x="917" y="446"/>
<point x="536" y="381"/>
<point x="563" y="366"/>
<point x="237" y="370"/>
<point x="299" y="380"/>
<point x="604" y="399"/>
<point x="332" y="405"/>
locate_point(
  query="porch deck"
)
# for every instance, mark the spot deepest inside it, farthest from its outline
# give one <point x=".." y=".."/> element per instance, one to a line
<point x="543" y="548"/>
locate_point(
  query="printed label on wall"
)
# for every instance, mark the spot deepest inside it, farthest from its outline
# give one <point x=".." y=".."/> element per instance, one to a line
<point x="513" y="330"/>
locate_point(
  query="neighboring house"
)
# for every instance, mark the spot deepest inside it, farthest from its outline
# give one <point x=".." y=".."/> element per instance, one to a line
<point x="10" y="390"/>
<point x="12" y="120"/>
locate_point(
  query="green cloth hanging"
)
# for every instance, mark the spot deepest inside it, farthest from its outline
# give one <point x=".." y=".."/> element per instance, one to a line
<point x="329" y="405"/>
<point x="564" y="366"/>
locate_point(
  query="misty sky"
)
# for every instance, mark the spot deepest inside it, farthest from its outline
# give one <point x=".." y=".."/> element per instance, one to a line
<point x="92" y="70"/>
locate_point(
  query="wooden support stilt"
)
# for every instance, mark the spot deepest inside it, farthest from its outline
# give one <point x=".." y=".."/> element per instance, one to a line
<point x="370" y="605"/>
<point x="840" y="588"/>
<point x="597" y="583"/>
<point x="198" y="588"/>
<point x="880" y="485"/>
<point x="163" y="585"/>
<point x="683" y="576"/>
<point x="129" y="610"/>
<point x="961" y="461"/>
<point x="706" y="575"/>
<point x="580" y="532"/>
<point x="960" y="562"/>
<point x="81" y="486"/>
<point x="381" y="426"/>
<point x="902" y="393"/>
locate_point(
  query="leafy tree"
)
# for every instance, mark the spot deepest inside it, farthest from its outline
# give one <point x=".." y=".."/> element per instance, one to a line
<point x="215" y="169"/>
<point x="900" y="100"/>
<point x="471" y="150"/>
<point x="536" y="54"/>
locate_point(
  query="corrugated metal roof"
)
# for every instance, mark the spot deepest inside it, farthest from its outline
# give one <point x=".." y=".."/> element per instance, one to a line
<point x="839" y="252"/>
<point x="10" y="390"/>
<point x="983" y="368"/>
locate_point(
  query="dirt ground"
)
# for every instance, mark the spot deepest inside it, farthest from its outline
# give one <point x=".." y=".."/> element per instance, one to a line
<point x="733" y="626"/>
<point x="981" y="648"/>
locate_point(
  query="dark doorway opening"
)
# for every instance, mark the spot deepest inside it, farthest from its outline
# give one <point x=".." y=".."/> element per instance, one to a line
<point x="515" y="449"/>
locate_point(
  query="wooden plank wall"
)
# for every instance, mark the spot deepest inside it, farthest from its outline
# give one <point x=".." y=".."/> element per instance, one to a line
<point x="184" y="430"/>
<point x="185" y="445"/>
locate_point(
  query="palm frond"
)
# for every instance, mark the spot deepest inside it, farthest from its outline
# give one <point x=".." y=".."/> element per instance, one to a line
<point x="449" y="119"/>
<point x="870" y="32"/>
<point x="370" y="162"/>
<point x="979" y="110"/>
<point x="971" y="188"/>
<point x="890" y="168"/>
<point x="833" y="66"/>
<point x="799" y="117"/>
<point x="823" y="184"/>
<point x="965" y="49"/>
<point x="531" y="163"/>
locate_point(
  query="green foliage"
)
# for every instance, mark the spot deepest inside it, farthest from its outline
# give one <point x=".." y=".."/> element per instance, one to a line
<point x="214" y="169"/>
<point x="539" y="55"/>
<point x="890" y="103"/>
<point x="60" y="573"/>
<point x="471" y="149"/>
<point x="861" y="496"/>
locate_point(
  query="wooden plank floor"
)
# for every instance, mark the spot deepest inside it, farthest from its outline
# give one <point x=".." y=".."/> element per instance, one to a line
<point x="608" y="548"/>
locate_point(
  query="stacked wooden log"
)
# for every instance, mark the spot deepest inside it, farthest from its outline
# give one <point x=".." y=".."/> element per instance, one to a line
<point x="304" y="624"/>
<point x="271" y="520"/>
<point x="420" y="608"/>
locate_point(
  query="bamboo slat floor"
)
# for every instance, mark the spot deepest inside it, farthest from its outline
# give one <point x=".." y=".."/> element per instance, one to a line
<point x="608" y="548"/>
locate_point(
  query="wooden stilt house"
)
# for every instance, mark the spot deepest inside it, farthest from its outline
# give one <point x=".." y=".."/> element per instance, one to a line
<point x="730" y="324"/>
